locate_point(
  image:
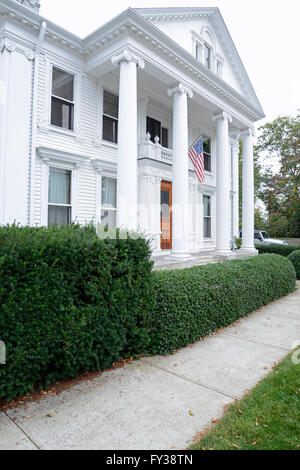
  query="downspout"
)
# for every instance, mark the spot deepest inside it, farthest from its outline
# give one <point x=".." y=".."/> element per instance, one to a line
<point x="34" y="120"/>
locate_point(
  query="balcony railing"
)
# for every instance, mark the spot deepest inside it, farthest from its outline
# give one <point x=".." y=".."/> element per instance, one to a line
<point x="155" y="151"/>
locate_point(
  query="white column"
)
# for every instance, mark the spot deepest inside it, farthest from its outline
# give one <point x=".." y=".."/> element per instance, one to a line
<point x="127" y="140"/>
<point x="248" y="191"/>
<point x="180" y="185"/>
<point x="235" y="185"/>
<point x="223" y="235"/>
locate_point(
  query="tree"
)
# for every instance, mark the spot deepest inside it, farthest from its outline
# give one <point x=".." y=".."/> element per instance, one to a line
<point x="279" y="143"/>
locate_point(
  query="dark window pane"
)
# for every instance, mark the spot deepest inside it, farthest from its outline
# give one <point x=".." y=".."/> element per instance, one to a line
<point x="110" y="129"/>
<point x="206" y="145"/>
<point x="207" y="162"/>
<point x="154" y="128"/>
<point x="62" y="114"/>
<point x="207" y="53"/>
<point x="165" y="137"/>
<point x="110" y="104"/>
<point x="59" y="215"/>
<point x="63" y="84"/>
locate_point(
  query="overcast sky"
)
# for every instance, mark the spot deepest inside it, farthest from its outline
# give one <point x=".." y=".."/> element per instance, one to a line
<point x="265" y="32"/>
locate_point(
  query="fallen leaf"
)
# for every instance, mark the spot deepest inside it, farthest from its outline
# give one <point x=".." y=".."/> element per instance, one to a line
<point x="235" y="445"/>
<point x="191" y="413"/>
<point x="49" y="415"/>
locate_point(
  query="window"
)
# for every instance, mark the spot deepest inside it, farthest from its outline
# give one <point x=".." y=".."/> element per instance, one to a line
<point x="62" y="99"/>
<point x="155" y="128"/>
<point x="207" y="216"/>
<point x="59" y="197"/>
<point x="110" y="117"/>
<point x="207" y="153"/>
<point x="109" y="202"/>
<point x="207" y="56"/>
<point x="165" y="137"/>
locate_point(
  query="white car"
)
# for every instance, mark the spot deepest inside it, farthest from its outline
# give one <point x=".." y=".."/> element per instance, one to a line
<point x="261" y="237"/>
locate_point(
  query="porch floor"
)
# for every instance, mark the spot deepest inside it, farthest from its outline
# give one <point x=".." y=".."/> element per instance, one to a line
<point x="167" y="261"/>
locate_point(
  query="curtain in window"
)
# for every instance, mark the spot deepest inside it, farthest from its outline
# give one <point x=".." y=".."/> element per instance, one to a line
<point x="109" y="192"/>
<point x="59" y="215"/>
<point x="59" y="186"/>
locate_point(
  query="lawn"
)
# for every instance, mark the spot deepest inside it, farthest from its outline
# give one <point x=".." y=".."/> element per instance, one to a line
<point x="267" y="418"/>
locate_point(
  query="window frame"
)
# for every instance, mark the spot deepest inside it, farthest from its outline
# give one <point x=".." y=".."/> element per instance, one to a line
<point x="71" y="104"/>
<point x="205" y="218"/>
<point x="112" y="118"/>
<point x="104" y="207"/>
<point x="70" y="205"/>
<point x="208" y="154"/>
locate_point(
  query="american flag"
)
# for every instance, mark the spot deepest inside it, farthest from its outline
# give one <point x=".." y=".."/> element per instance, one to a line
<point x="197" y="156"/>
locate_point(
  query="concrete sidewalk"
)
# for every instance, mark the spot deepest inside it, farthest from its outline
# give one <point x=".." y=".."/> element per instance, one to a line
<point x="147" y="404"/>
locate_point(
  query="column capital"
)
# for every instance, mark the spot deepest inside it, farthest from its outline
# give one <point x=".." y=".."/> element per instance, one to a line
<point x="222" y="115"/>
<point x="180" y="88"/>
<point x="127" y="56"/>
<point x="234" y="137"/>
<point x="247" y="132"/>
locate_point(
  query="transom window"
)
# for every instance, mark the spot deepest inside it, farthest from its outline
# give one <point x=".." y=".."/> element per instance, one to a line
<point x="109" y="202"/>
<point x="207" y="216"/>
<point x="207" y="56"/>
<point x="62" y="99"/>
<point x="110" y="116"/>
<point x="155" y="128"/>
<point x="59" y="197"/>
<point x="207" y="153"/>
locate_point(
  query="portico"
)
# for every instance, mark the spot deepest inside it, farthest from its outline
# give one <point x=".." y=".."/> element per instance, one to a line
<point x="138" y="210"/>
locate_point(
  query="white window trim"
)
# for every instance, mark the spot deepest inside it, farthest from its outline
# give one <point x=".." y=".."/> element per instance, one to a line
<point x="106" y="169"/>
<point x="206" y="194"/>
<point x="44" y="121"/>
<point x="102" y="206"/>
<point x="52" y="158"/>
<point x="107" y="143"/>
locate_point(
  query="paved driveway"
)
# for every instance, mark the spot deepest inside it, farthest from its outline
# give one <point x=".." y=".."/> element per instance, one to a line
<point x="159" y="402"/>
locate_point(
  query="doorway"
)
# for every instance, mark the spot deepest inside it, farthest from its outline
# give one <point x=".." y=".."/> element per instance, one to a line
<point x="166" y="215"/>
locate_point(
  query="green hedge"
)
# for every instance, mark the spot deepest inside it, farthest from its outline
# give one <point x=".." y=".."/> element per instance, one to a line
<point x="69" y="302"/>
<point x="294" y="257"/>
<point x="283" y="250"/>
<point x="192" y="303"/>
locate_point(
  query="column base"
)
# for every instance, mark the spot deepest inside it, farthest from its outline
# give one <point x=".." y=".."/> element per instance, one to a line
<point x="248" y="251"/>
<point x="181" y="255"/>
<point x="224" y="253"/>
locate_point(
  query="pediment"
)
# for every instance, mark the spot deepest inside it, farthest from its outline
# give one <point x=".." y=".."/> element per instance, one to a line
<point x="192" y="26"/>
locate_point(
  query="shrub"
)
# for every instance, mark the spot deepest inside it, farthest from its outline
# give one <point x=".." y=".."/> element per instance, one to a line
<point x="294" y="257"/>
<point x="192" y="303"/>
<point x="69" y="302"/>
<point x="283" y="250"/>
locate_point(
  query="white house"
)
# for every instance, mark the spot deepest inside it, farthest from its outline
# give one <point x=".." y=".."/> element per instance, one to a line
<point x="99" y="128"/>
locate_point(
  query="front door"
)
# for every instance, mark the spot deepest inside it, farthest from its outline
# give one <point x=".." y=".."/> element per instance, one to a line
<point x="166" y="215"/>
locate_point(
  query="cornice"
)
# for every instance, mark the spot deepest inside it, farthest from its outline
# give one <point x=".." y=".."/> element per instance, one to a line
<point x="49" y="155"/>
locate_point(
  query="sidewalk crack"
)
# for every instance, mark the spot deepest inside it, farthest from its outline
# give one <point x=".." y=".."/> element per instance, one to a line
<point x="22" y="430"/>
